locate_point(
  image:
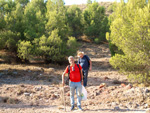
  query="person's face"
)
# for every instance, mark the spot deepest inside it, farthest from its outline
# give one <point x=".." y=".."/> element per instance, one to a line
<point x="81" y="55"/>
<point x="71" y="61"/>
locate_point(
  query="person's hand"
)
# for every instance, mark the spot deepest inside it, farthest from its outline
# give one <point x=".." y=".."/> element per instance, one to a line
<point x="63" y="84"/>
<point x="90" y="68"/>
<point x="81" y="82"/>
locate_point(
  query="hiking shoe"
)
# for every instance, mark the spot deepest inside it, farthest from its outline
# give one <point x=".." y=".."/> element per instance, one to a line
<point x="72" y="108"/>
<point x="79" y="108"/>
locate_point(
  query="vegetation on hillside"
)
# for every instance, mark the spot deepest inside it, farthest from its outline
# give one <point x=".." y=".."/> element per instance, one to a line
<point x="48" y="30"/>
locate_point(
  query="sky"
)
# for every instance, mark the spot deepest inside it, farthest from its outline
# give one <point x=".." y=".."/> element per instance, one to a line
<point x="71" y="2"/>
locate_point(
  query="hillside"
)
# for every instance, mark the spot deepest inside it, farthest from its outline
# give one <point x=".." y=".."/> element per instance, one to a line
<point x="105" y="4"/>
<point x="37" y="88"/>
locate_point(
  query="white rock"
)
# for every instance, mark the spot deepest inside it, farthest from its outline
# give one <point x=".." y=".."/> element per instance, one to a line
<point x="27" y="94"/>
<point x="146" y="105"/>
<point x="113" y="104"/>
<point x="38" y="88"/>
<point x="37" y="68"/>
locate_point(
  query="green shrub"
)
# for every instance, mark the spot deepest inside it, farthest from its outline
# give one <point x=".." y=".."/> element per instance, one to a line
<point x="24" y="49"/>
<point x="71" y="46"/>
<point x="9" y="39"/>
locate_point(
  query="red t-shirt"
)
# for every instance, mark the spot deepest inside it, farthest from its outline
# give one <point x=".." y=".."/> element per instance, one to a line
<point x="74" y="75"/>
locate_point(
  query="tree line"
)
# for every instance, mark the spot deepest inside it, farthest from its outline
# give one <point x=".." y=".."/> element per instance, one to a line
<point x="48" y="29"/>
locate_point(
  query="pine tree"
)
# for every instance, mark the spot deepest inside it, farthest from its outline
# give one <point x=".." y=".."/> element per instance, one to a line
<point x="95" y="22"/>
<point x="130" y="33"/>
<point x="56" y="16"/>
<point x="12" y="25"/>
<point x="75" y="21"/>
<point x="34" y="17"/>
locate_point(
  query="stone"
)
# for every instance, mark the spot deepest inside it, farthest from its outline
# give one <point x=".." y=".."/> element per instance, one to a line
<point x="96" y="93"/>
<point x="123" y="85"/>
<point x="129" y="86"/>
<point x="102" y="85"/>
<point x="53" y="96"/>
<point x="27" y="94"/>
<point x="106" y="78"/>
<point x="22" y="85"/>
<point x="90" y="102"/>
<point x="51" y="70"/>
<point x="147" y="91"/>
<point x="146" y="105"/>
<point x="29" y="71"/>
<point x="113" y="104"/>
<point x="8" y="88"/>
<point x="38" y="88"/>
<point x="1" y="74"/>
<point x="116" y="108"/>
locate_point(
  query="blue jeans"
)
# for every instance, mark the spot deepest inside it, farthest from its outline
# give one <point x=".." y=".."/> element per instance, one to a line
<point x="85" y="75"/>
<point x="78" y="87"/>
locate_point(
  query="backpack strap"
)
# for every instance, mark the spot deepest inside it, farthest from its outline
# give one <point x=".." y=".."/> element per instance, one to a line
<point x="79" y="60"/>
<point x="78" y="66"/>
<point x="69" y="71"/>
<point x="80" y="71"/>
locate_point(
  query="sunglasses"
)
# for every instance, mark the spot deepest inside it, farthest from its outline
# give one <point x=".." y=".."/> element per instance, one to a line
<point x="73" y="69"/>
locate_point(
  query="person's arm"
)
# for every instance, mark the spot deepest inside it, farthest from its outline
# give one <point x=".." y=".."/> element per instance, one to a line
<point x="63" y="78"/>
<point x="90" y="65"/>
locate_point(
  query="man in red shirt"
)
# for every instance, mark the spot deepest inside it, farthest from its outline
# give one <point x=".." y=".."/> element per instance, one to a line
<point x="75" y="82"/>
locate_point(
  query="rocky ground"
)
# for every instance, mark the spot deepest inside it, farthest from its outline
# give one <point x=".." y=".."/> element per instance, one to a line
<point x="36" y="88"/>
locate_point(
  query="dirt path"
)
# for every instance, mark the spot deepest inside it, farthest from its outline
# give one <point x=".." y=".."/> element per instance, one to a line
<point x="38" y="89"/>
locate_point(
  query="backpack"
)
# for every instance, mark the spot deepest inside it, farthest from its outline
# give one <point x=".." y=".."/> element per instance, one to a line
<point x="86" y="59"/>
<point x="67" y="80"/>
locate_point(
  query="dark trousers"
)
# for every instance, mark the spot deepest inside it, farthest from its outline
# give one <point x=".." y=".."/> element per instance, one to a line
<point x="85" y="77"/>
